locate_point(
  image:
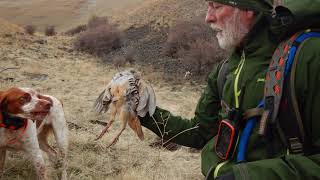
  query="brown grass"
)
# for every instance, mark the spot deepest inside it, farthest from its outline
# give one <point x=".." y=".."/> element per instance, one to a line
<point x="9" y="28"/>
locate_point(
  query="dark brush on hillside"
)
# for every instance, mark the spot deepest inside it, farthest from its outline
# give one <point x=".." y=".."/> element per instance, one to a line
<point x="30" y="29"/>
<point x="50" y="31"/>
<point x="100" y="38"/>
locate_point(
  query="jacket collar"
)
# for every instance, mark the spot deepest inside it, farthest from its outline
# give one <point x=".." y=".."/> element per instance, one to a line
<point x="259" y="41"/>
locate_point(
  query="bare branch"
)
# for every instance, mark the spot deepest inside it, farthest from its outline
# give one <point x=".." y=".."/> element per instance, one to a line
<point x="98" y="122"/>
<point x="157" y="126"/>
<point x="9" y="69"/>
<point x="197" y="126"/>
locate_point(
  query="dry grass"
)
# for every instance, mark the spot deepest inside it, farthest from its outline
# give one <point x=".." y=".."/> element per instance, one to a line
<point x="77" y="79"/>
<point x="9" y="27"/>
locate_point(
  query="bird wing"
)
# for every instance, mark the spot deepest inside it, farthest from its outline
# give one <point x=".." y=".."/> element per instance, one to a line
<point x="147" y="101"/>
<point x="103" y="101"/>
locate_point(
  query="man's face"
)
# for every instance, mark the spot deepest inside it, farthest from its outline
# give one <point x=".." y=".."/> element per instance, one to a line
<point x="230" y="23"/>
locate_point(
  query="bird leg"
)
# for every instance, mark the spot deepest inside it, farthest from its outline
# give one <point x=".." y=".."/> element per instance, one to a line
<point x="123" y="116"/>
<point x="112" y="118"/>
<point x="135" y="125"/>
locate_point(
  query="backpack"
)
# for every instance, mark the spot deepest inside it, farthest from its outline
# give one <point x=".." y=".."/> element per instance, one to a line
<point x="280" y="100"/>
<point x="278" y="89"/>
<point x="291" y="16"/>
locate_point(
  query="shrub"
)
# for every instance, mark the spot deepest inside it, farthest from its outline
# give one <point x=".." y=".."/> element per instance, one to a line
<point x="195" y="47"/>
<point x="96" y="21"/>
<point x="119" y="61"/>
<point x="50" y="31"/>
<point x="183" y="34"/>
<point x="30" y="29"/>
<point x="200" y="56"/>
<point x="129" y="56"/>
<point x="76" y="30"/>
<point x="100" y="40"/>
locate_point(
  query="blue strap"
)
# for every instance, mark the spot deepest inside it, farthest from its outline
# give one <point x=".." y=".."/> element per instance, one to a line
<point x="293" y="49"/>
<point x="244" y="138"/>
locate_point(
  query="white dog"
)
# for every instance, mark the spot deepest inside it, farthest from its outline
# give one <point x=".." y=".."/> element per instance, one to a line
<point x="26" y="119"/>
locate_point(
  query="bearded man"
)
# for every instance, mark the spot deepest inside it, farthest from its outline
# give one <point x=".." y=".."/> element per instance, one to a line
<point x="244" y="27"/>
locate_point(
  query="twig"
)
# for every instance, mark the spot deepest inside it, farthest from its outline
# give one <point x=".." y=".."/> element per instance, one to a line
<point x="181" y="133"/>
<point x="9" y="69"/>
<point x="164" y="128"/>
<point x="165" y="121"/>
<point x="162" y="134"/>
<point x="157" y="126"/>
<point x="98" y="122"/>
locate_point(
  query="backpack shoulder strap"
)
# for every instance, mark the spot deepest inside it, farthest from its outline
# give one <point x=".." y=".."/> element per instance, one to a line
<point x="284" y="62"/>
<point x="298" y="139"/>
<point x="222" y="76"/>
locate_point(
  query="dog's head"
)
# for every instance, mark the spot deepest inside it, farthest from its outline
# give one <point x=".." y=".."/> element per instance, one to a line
<point x="24" y="103"/>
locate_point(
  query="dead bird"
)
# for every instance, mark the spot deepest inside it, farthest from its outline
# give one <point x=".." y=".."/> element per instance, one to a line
<point x="129" y="97"/>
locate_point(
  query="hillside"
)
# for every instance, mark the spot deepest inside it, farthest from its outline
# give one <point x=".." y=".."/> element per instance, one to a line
<point x="51" y="66"/>
<point x="65" y="14"/>
<point x="61" y="13"/>
<point x="161" y="13"/>
<point x="7" y="27"/>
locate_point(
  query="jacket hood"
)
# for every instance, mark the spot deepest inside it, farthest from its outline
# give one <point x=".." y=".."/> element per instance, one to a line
<point x="259" y="41"/>
<point x="295" y="15"/>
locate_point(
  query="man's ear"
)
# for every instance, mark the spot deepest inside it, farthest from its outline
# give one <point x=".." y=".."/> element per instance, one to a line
<point x="250" y="14"/>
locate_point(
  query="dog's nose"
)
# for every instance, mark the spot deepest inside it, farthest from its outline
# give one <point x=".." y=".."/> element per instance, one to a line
<point x="47" y="105"/>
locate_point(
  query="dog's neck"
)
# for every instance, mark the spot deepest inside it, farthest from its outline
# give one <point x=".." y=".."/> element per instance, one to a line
<point x="9" y="117"/>
<point x="12" y="122"/>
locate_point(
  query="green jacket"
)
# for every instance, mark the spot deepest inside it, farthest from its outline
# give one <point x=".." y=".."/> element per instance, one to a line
<point x="246" y="79"/>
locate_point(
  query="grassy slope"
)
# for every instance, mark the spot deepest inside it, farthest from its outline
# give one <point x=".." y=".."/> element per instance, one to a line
<point x="53" y="68"/>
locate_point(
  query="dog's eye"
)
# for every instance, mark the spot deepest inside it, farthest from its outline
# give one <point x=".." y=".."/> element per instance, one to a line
<point x="24" y="99"/>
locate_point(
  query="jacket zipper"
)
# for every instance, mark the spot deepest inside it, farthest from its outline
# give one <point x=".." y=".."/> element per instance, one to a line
<point x="236" y="96"/>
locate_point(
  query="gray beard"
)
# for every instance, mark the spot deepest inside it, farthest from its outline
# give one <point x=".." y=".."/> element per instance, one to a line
<point x="233" y="33"/>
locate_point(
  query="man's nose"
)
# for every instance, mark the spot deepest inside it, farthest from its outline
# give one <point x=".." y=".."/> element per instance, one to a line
<point x="210" y="17"/>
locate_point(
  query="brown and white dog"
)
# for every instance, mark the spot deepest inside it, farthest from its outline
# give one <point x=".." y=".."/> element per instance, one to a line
<point x="40" y="114"/>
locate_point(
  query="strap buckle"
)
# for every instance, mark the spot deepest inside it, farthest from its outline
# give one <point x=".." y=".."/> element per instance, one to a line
<point x="295" y="145"/>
